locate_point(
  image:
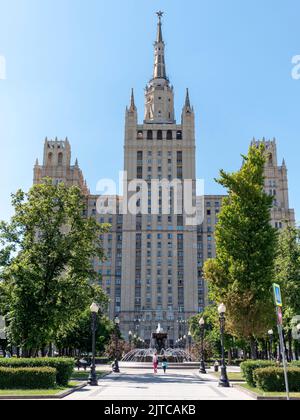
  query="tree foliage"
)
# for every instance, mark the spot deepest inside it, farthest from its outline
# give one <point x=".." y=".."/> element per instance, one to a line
<point x="287" y="269"/>
<point x="79" y="337"/>
<point x="212" y="335"/>
<point x="46" y="255"/>
<point x="242" y="274"/>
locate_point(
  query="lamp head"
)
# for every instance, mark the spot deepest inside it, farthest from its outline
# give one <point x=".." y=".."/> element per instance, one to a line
<point x="202" y="322"/>
<point x="222" y="309"/>
<point x="94" y="308"/>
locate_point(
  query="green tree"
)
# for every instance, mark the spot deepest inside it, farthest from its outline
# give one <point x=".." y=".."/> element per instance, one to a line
<point x="287" y="269"/>
<point x="242" y="274"/>
<point x="46" y="255"/>
<point x="212" y="338"/>
<point x="78" y="340"/>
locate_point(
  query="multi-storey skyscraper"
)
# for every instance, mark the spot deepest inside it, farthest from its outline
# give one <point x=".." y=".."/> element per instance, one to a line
<point x="159" y="274"/>
<point x="154" y="268"/>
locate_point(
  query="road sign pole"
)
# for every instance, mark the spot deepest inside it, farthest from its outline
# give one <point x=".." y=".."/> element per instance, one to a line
<point x="279" y="315"/>
<point x="282" y="349"/>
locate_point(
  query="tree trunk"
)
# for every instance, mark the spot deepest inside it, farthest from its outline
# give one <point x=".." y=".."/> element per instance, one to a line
<point x="290" y="340"/>
<point x="253" y="348"/>
<point x="285" y="347"/>
<point x="296" y="347"/>
<point x="229" y="357"/>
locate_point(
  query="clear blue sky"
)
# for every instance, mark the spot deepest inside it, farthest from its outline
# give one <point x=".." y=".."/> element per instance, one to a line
<point x="71" y="65"/>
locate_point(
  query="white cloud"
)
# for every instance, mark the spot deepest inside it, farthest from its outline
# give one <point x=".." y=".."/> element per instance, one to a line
<point x="2" y="68"/>
<point x="296" y="68"/>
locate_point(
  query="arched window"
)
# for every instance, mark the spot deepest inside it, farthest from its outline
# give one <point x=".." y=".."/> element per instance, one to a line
<point x="50" y="157"/>
<point x="270" y="159"/>
<point x="179" y="135"/>
<point x="60" y="159"/>
<point x="159" y="135"/>
<point x="169" y="135"/>
<point x="149" y="135"/>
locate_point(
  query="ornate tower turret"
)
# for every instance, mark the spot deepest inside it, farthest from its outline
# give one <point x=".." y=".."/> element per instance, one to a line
<point x="276" y="185"/>
<point x="188" y="118"/>
<point x="57" y="165"/>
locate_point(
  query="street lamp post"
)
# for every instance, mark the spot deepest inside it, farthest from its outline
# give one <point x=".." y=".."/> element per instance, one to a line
<point x="185" y="342"/>
<point x="224" y="382"/>
<point x="271" y="336"/>
<point x="92" y="381"/>
<point x="202" y="331"/>
<point x="117" y="323"/>
<point x="190" y="341"/>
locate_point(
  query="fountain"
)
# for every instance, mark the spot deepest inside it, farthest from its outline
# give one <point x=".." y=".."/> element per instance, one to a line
<point x="158" y="346"/>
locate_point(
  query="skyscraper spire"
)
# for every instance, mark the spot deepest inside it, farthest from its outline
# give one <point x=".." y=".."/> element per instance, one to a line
<point x="159" y="37"/>
<point x="159" y="94"/>
<point x="132" y="102"/>
<point x="187" y="100"/>
<point x="159" y="57"/>
<point x="188" y="109"/>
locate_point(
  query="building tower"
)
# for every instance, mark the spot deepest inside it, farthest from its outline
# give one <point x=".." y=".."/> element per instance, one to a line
<point x="57" y="166"/>
<point x="159" y="273"/>
<point x="276" y="184"/>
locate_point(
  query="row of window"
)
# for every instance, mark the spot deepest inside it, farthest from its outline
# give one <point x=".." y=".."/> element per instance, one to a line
<point x="160" y="135"/>
<point x="60" y="158"/>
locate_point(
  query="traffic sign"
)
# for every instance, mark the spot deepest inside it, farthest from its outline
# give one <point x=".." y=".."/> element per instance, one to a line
<point x="277" y="295"/>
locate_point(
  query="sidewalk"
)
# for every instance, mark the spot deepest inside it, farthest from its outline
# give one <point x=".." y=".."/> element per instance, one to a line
<point x="133" y="384"/>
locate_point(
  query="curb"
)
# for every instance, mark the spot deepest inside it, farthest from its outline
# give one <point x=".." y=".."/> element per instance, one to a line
<point x="261" y="398"/>
<point x="44" y="397"/>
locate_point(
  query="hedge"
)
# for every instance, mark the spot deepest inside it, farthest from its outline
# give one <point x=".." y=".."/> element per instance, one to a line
<point x="250" y="366"/>
<point x="64" y="367"/>
<point x="27" y="378"/>
<point x="295" y="363"/>
<point x="272" y="379"/>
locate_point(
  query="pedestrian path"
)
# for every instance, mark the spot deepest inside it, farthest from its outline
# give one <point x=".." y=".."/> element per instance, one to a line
<point x="133" y="384"/>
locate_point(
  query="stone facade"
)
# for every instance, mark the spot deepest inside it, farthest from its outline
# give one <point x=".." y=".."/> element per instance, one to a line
<point x="153" y="272"/>
<point x="276" y="184"/>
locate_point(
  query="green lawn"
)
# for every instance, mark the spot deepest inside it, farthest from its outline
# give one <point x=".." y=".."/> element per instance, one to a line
<point x="83" y="376"/>
<point x="261" y="393"/>
<point x="35" y="392"/>
<point x="232" y="376"/>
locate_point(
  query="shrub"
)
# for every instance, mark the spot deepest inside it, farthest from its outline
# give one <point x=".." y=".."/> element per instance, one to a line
<point x="27" y="378"/>
<point x="64" y="367"/>
<point x="272" y="379"/>
<point x="295" y="363"/>
<point x="250" y="366"/>
<point x="237" y="362"/>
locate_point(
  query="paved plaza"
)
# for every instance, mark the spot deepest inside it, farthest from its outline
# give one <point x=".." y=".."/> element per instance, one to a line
<point x="141" y="384"/>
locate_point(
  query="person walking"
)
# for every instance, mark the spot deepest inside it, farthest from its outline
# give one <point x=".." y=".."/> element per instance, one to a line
<point x="155" y="363"/>
<point x="165" y="364"/>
